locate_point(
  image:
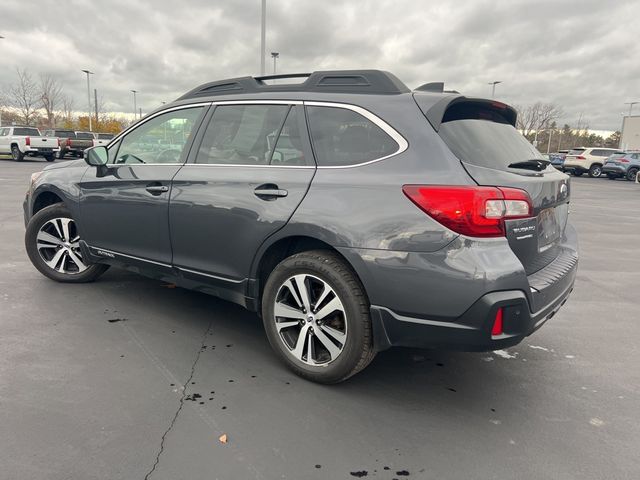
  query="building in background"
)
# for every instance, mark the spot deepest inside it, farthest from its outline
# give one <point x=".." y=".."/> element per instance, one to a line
<point x="630" y="138"/>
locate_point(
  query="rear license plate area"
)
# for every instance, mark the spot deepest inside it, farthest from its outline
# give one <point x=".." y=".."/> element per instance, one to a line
<point x="548" y="229"/>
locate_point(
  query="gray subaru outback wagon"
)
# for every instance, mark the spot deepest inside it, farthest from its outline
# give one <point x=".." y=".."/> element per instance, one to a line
<point x="350" y="212"/>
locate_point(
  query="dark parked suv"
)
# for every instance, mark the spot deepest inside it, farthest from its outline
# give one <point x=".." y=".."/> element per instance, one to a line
<point x="351" y="213"/>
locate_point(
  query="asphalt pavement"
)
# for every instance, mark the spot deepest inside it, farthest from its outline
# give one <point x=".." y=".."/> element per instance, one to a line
<point x="127" y="378"/>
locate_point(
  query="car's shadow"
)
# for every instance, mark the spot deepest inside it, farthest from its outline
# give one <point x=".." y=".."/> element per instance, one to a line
<point x="401" y="376"/>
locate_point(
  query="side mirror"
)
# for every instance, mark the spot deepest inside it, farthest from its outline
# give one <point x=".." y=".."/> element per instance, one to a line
<point x="96" y="156"/>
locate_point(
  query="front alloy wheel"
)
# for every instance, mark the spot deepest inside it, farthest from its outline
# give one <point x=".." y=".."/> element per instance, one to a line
<point x="310" y="319"/>
<point x="52" y="241"/>
<point x="59" y="246"/>
<point x="595" y="171"/>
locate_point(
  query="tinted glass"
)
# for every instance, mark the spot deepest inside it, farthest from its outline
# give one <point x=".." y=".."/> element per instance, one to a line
<point x="575" y="151"/>
<point x="65" y="133"/>
<point x="344" y="137"/>
<point x="241" y="134"/>
<point x="289" y="150"/>
<point x="84" y="136"/>
<point x="105" y="136"/>
<point x="487" y="144"/>
<point x="159" y="140"/>
<point x="32" y="132"/>
<point x="4" y="132"/>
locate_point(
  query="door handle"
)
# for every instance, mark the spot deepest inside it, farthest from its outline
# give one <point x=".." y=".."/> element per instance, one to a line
<point x="269" y="191"/>
<point x="157" y="189"/>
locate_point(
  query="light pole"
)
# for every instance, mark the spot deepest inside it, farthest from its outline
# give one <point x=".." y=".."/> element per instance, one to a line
<point x="1" y="37"/>
<point x="493" y="87"/>
<point x="275" y="56"/>
<point x="263" y="36"/>
<point x="89" y="97"/>
<point x="135" y="106"/>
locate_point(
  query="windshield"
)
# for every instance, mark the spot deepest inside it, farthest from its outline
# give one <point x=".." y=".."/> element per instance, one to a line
<point x="576" y="151"/>
<point x="487" y="144"/>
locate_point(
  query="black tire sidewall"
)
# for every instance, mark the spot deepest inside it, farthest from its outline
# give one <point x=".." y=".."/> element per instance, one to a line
<point x="351" y="294"/>
<point x="30" y="239"/>
<point x="630" y="177"/>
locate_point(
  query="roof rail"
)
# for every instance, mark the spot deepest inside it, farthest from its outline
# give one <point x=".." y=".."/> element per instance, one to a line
<point x="334" y="81"/>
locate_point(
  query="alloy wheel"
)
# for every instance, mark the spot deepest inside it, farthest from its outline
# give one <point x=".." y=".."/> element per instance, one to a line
<point x="58" y="244"/>
<point x="310" y="319"/>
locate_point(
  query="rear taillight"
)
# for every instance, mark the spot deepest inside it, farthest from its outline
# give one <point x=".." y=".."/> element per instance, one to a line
<point x="58" y="142"/>
<point x="472" y="211"/>
<point x="580" y="157"/>
<point x="497" y="328"/>
<point x="623" y="160"/>
<point x="68" y="142"/>
<point x="27" y="141"/>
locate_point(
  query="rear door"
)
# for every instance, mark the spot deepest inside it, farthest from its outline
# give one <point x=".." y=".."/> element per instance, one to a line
<point x="246" y="175"/>
<point x="494" y="153"/>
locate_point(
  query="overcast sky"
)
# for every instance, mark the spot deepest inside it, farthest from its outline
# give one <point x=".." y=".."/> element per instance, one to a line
<point x="583" y="55"/>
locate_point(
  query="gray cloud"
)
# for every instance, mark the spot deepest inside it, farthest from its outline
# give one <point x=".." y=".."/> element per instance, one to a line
<point x="580" y="54"/>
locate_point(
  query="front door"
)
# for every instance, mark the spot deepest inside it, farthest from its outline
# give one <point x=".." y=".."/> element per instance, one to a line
<point x="124" y="206"/>
<point x="245" y="177"/>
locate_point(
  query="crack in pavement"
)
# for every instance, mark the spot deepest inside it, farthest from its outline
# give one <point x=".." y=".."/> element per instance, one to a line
<point x="184" y="394"/>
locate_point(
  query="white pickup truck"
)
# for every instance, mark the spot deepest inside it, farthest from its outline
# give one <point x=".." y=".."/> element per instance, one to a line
<point x="102" y="139"/>
<point x="27" y="141"/>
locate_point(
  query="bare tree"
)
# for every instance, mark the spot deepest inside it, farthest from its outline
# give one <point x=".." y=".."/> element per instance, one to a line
<point x="537" y="117"/>
<point x="50" y="95"/>
<point x="23" y="96"/>
<point x="67" y="109"/>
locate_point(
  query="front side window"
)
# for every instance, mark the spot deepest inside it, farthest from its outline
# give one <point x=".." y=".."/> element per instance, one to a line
<point x="4" y="132"/>
<point x="343" y="137"/>
<point x="242" y="134"/>
<point x="159" y="140"/>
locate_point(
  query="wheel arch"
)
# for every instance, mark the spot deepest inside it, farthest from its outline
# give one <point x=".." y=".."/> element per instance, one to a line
<point x="273" y="252"/>
<point x="45" y="197"/>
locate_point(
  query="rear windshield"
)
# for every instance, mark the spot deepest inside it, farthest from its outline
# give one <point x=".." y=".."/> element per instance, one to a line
<point x="65" y="134"/>
<point x="486" y="143"/>
<point x="105" y="136"/>
<point x="84" y="136"/>
<point x="32" y="132"/>
<point x="576" y="151"/>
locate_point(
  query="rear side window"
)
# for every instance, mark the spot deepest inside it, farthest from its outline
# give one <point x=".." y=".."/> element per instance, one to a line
<point x="242" y="134"/>
<point x="26" y="132"/>
<point x="343" y="137"/>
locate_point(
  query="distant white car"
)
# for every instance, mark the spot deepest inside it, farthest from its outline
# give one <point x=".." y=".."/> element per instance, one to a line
<point x="27" y="141"/>
<point x="582" y="160"/>
<point x="102" y="139"/>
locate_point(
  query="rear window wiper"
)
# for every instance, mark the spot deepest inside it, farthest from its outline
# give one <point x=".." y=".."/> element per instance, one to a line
<point x="534" y="164"/>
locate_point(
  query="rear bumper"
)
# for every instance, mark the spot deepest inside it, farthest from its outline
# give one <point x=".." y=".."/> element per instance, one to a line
<point x="425" y="288"/>
<point x="576" y="168"/>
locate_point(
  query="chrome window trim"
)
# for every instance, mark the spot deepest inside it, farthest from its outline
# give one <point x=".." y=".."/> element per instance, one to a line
<point x="306" y="167"/>
<point x="258" y="102"/>
<point x="388" y="129"/>
<point x="131" y="128"/>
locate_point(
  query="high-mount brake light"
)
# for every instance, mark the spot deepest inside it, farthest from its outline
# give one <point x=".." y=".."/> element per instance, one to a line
<point x="469" y="210"/>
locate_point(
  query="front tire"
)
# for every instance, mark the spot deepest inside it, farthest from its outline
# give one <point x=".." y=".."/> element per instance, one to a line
<point x="316" y="316"/>
<point x="52" y="243"/>
<point x="595" y="171"/>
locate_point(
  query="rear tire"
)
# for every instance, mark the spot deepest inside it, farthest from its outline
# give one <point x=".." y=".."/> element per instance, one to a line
<point x="632" y="173"/>
<point x="52" y="243"/>
<point x="595" y="171"/>
<point x="576" y="173"/>
<point x="611" y="176"/>
<point x="339" y="342"/>
<point x="60" y="155"/>
<point x="16" y="154"/>
<point x="49" y="158"/>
